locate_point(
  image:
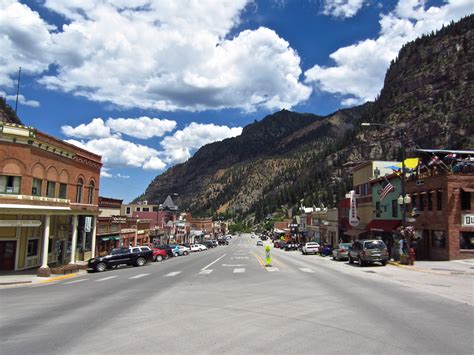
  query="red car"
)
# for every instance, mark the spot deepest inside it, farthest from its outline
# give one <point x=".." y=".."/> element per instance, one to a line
<point x="159" y="254"/>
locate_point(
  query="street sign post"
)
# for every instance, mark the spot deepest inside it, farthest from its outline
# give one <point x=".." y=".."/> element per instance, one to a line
<point x="268" y="257"/>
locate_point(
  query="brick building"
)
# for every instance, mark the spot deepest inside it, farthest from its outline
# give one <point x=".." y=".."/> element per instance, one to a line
<point x="445" y="202"/>
<point x="48" y="200"/>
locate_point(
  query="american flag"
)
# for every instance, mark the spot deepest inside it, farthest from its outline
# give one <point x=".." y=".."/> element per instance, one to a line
<point x="386" y="190"/>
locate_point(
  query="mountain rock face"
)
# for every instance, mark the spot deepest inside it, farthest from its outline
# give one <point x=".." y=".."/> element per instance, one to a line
<point x="7" y="114"/>
<point x="288" y="157"/>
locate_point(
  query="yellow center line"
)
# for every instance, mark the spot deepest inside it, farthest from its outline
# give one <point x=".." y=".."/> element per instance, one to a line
<point x="259" y="259"/>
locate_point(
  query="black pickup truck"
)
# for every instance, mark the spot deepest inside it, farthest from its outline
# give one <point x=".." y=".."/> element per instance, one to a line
<point x="137" y="256"/>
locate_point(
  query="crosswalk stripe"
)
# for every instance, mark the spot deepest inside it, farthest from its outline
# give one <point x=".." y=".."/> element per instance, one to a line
<point x="75" y="281"/>
<point x="205" y="272"/>
<point x="239" y="270"/>
<point x="138" y="276"/>
<point x="305" y="269"/>
<point x="272" y="269"/>
<point x="174" y="273"/>
<point x="106" y="278"/>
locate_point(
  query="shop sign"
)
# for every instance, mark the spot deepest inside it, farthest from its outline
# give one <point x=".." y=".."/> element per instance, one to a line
<point x="87" y="224"/>
<point x="467" y="220"/>
<point x="119" y="219"/>
<point x="20" y="223"/>
<point x="353" y="220"/>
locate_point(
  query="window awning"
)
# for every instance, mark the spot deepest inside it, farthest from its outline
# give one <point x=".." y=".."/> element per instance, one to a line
<point x="354" y="232"/>
<point x="467" y="189"/>
<point x="104" y="239"/>
<point x="383" y="225"/>
<point x="110" y="237"/>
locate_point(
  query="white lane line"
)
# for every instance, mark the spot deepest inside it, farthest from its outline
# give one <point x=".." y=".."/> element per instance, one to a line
<point x="240" y="257"/>
<point x="215" y="261"/>
<point x="174" y="273"/>
<point x="106" y="278"/>
<point x="75" y="281"/>
<point x="239" y="270"/>
<point x="233" y="265"/>
<point x="138" y="276"/>
<point x="205" y="272"/>
<point x="305" y="269"/>
<point x="271" y="269"/>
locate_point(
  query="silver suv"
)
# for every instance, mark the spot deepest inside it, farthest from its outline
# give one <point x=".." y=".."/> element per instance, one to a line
<point x="368" y="251"/>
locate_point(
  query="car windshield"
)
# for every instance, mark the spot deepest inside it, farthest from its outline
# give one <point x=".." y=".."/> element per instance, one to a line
<point x="345" y="245"/>
<point x="116" y="251"/>
<point x="374" y="244"/>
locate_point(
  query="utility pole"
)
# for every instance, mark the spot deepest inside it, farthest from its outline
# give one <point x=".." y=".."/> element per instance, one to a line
<point x="17" y="90"/>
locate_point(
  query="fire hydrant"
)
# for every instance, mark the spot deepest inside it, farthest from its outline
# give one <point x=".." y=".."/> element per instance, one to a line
<point x="411" y="256"/>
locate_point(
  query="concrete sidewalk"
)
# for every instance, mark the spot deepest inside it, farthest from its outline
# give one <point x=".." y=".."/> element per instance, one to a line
<point x="28" y="277"/>
<point x="453" y="267"/>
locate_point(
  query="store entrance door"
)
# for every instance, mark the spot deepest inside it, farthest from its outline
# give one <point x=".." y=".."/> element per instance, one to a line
<point x="7" y="255"/>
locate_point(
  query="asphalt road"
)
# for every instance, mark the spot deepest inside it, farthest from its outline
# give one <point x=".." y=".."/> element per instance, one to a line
<point x="224" y="301"/>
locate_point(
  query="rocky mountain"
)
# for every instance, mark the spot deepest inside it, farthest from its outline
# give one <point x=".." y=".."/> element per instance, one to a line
<point x="7" y="113"/>
<point x="288" y="156"/>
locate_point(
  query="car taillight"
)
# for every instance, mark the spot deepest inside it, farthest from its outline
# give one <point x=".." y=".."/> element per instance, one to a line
<point x="342" y="250"/>
<point x="363" y="253"/>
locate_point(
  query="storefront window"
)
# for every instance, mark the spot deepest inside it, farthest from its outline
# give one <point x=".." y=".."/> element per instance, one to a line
<point x="32" y="247"/>
<point x="466" y="240"/>
<point x="10" y="184"/>
<point x="36" y="187"/>
<point x="50" y="189"/>
<point x="438" y="239"/>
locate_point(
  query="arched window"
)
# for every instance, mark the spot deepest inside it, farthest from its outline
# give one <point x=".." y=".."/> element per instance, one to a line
<point x="80" y="184"/>
<point x="90" y="193"/>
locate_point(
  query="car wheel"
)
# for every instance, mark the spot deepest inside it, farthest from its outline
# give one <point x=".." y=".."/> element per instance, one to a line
<point x="361" y="262"/>
<point x="159" y="258"/>
<point x="167" y="257"/>
<point x="100" y="267"/>
<point x="351" y="261"/>
<point x="185" y="253"/>
<point x="384" y="263"/>
<point x="140" y="262"/>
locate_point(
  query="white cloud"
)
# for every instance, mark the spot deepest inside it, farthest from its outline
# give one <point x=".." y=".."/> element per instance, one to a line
<point x="342" y="8"/>
<point x="94" y="129"/>
<point x="178" y="147"/>
<point x="165" y="55"/>
<point x="360" y="69"/>
<point x="116" y="152"/>
<point x="154" y="163"/>
<point x="21" y="99"/>
<point x="104" y="172"/>
<point x="142" y="127"/>
<point x="25" y="41"/>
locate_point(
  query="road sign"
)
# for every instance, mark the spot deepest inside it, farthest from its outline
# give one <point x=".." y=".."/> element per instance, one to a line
<point x="268" y="257"/>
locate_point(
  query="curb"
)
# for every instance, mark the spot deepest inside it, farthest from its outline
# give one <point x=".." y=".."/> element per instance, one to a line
<point x="58" y="278"/>
<point x="14" y="283"/>
<point x="419" y="270"/>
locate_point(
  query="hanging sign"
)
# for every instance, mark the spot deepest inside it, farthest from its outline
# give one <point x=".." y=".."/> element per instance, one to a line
<point x="353" y="220"/>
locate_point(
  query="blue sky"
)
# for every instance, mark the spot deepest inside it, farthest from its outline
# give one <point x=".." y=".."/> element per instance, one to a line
<point x="146" y="83"/>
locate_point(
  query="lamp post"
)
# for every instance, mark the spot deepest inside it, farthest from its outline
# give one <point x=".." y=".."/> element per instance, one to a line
<point x="403" y="199"/>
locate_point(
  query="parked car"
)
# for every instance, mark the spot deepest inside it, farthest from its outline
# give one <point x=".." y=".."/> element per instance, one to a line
<point x="368" y="251"/>
<point x="159" y="254"/>
<point x="209" y="244"/>
<point x="166" y="248"/>
<point x="137" y="256"/>
<point x="183" y="250"/>
<point x="198" y="247"/>
<point x="310" y="248"/>
<point x="341" y="252"/>
<point x="259" y="243"/>
<point x="223" y="242"/>
<point x="202" y="247"/>
<point x="291" y="246"/>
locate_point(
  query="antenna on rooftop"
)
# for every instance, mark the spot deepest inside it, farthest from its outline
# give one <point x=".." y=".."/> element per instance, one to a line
<point x="17" y="90"/>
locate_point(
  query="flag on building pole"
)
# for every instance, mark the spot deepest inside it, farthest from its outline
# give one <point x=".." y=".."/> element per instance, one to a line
<point x="434" y="161"/>
<point x="386" y="190"/>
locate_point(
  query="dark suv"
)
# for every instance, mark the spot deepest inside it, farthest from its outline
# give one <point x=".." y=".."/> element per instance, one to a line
<point x="368" y="251"/>
<point x="137" y="256"/>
